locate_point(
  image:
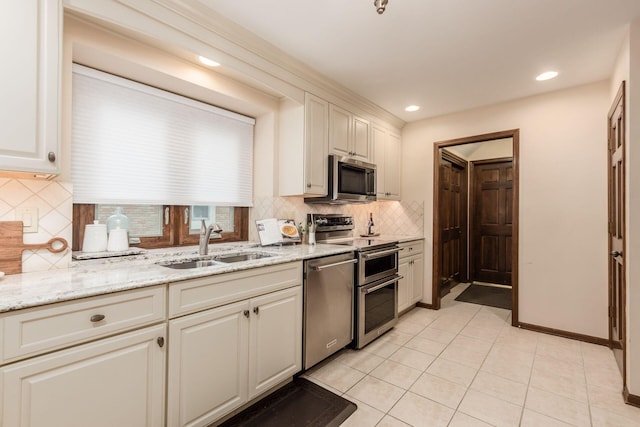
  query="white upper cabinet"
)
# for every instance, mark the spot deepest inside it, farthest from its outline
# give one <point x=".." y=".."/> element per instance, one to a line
<point x="30" y="132"/>
<point x="304" y="147"/>
<point x="387" y="157"/>
<point x="349" y="135"/>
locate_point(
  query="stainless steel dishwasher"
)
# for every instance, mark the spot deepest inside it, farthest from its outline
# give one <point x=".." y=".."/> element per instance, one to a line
<point x="328" y="306"/>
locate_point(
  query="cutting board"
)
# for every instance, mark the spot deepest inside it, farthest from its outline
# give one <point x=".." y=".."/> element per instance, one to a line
<point x="11" y="246"/>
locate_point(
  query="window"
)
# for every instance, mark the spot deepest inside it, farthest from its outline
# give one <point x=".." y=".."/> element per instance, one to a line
<point x="168" y="160"/>
<point x="158" y="226"/>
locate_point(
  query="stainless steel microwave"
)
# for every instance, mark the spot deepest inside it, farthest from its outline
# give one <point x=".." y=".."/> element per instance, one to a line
<point x="349" y="181"/>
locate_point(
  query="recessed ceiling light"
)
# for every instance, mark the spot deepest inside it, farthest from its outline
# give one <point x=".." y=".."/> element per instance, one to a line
<point x="208" y="62"/>
<point x="547" y="75"/>
<point x="411" y="108"/>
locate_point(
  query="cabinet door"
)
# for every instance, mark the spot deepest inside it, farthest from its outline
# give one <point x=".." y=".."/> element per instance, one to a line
<point x="207" y="365"/>
<point x="404" y="284"/>
<point x="275" y="339"/>
<point x="339" y="131"/>
<point x="29" y="130"/>
<point x="115" y="381"/>
<point x="392" y="161"/>
<point x="316" y="148"/>
<point x="361" y="146"/>
<point x="378" y="139"/>
<point x="417" y="278"/>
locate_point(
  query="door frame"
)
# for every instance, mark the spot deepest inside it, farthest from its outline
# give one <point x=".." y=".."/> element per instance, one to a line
<point x="515" y="135"/>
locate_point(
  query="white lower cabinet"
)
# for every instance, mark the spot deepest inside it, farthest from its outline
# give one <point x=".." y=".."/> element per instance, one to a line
<point x="411" y="268"/>
<point x="221" y="358"/>
<point x="116" y="381"/>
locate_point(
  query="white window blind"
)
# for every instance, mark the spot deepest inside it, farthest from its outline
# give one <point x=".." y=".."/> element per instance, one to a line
<point x="132" y="143"/>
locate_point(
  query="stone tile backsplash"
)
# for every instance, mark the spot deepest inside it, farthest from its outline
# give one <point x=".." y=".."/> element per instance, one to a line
<point x="53" y="200"/>
<point x="391" y="217"/>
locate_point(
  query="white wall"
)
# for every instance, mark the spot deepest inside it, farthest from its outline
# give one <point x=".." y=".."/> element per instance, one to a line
<point x="563" y="199"/>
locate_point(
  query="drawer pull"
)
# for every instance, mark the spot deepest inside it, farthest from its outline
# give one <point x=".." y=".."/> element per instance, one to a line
<point x="97" y="318"/>
<point x="246" y="313"/>
<point x="256" y="310"/>
<point x="160" y="342"/>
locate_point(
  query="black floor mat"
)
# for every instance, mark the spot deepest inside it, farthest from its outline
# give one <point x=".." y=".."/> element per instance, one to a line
<point x="299" y="403"/>
<point x="487" y="295"/>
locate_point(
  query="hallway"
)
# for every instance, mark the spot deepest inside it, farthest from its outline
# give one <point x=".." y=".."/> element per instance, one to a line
<point x="464" y="365"/>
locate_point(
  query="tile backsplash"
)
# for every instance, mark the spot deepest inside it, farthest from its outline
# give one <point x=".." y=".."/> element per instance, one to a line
<point x="391" y="217"/>
<point x="53" y="200"/>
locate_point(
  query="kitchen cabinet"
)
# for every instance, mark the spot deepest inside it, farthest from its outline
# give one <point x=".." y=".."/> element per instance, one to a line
<point x="304" y="147"/>
<point x="30" y="108"/>
<point x="223" y="357"/>
<point x="98" y="361"/>
<point x="349" y="135"/>
<point x="411" y="268"/>
<point x="387" y="157"/>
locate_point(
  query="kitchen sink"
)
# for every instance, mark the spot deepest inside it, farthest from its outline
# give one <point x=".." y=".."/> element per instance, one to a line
<point x="214" y="260"/>
<point x="241" y="257"/>
<point x="190" y="264"/>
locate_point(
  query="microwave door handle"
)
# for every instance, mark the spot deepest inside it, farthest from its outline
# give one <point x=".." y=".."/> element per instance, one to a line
<point x="325" y="266"/>
<point x="382" y="285"/>
<point x="381" y="253"/>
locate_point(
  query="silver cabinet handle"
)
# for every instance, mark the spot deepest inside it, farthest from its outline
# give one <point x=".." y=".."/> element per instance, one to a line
<point x="382" y="285"/>
<point x="381" y="253"/>
<point x="97" y="318"/>
<point x="323" y="267"/>
<point x="51" y="156"/>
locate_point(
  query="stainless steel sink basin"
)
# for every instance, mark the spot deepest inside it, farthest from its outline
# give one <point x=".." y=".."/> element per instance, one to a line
<point x="190" y="264"/>
<point x="242" y="257"/>
<point x="213" y="260"/>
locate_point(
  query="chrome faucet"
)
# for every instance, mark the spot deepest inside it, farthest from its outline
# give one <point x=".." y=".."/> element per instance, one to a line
<point x="205" y="235"/>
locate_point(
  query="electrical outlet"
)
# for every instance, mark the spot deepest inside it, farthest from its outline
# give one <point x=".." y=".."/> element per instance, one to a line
<point x="29" y="218"/>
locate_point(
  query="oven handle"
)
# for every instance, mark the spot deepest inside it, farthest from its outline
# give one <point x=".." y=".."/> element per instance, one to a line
<point x="382" y="285"/>
<point x="322" y="267"/>
<point x="381" y="253"/>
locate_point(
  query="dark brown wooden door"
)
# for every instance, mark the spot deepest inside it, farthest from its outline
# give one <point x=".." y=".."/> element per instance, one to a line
<point x="492" y="221"/>
<point x="617" y="295"/>
<point x="453" y="219"/>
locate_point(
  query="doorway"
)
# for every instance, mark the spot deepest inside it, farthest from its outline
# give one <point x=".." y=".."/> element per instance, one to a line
<point x="497" y="239"/>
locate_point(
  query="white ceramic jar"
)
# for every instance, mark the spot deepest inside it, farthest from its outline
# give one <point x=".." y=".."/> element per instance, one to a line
<point x="95" y="237"/>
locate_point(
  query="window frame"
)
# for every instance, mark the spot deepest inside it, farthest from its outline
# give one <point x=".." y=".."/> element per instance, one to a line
<point x="174" y="233"/>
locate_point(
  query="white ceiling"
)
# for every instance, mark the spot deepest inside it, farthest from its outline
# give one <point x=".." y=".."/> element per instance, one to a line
<point x="444" y="55"/>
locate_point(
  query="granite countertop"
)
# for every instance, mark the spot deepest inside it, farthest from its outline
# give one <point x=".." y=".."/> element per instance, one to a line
<point x="102" y="276"/>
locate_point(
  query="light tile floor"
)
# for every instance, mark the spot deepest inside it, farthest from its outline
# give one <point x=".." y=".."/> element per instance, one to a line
<point x="464" y="365"/>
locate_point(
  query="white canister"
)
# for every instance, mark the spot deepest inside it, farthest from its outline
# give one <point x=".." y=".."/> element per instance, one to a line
<point x="95" y="237"/>
<point x="118" y="240"/>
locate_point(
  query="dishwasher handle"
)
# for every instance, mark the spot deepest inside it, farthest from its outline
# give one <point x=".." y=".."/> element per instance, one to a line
<point x="335" y="264"/>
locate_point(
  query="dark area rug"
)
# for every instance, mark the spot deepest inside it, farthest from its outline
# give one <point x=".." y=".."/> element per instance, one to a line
<point x="487" y="295"/>
<point x="299" y="403"/>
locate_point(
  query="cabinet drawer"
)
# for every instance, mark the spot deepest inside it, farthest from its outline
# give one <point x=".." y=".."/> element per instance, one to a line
<point x="38" y="330"/>
<point x="199" y="294"/>
<point x="414" y="247"/>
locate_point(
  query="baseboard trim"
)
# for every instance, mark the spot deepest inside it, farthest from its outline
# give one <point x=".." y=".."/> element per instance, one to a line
<point x="630" y="399"/>
<point x="424" y="305"/>
<point x="564" y="334"/>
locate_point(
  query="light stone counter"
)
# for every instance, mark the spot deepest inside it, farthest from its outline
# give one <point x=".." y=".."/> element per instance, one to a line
<point x="102" y="276"/>
<point x="401" y="238"/>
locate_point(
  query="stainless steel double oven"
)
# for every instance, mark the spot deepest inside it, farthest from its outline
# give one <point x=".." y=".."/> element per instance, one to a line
<point x="376" y="276"/>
